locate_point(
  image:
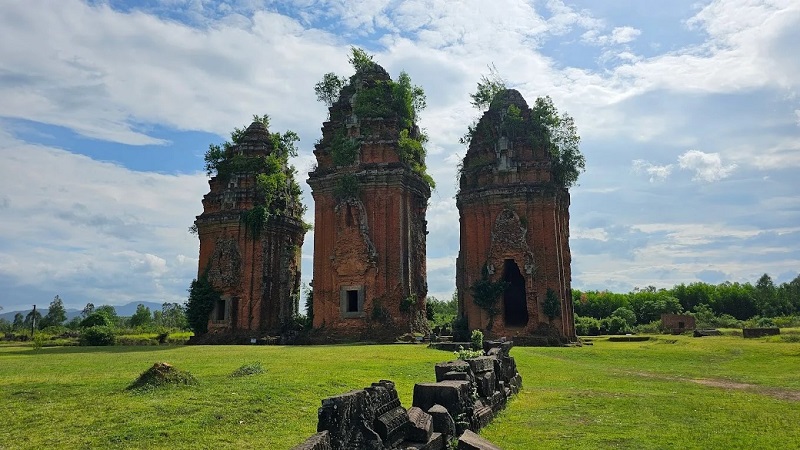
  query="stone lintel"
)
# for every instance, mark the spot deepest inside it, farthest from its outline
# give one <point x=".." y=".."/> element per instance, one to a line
<point x="421" y="425"/>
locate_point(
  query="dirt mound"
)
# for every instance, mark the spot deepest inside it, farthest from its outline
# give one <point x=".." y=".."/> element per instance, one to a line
<point x="161" y="374"/>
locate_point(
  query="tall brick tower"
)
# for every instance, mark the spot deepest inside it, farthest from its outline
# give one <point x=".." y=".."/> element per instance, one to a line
<point x="514" y="220"/>
<point x="250" y="239"/>
<point x="370" y="196"/>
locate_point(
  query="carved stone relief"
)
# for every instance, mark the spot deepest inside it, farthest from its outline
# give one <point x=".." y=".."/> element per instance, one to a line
<point x="226" y="263"/>
<point x="509" y="240"/>
<point x="354" y="251"/>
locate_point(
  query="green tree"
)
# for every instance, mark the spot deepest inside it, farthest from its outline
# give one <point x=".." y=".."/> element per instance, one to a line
<point x="485" y="294"/>
<point x="19" y="322"/>
<point x="173" y="315"/>
<point x="87" y="310"/>
<point x="5" y="325"/>
<point x="96" y="319"/>
<point x="142" y="317"/>
<point x="552" y="305"/>
<point x="648" y="304"/>
<point x="559" y="135"/>
<point x="769" y="303"/>
<point x="110" y="312"/>
<point x="626" y="314"/>
<point x="202" y="298"/>
<point x="442" y="313"/>
<point x="33" y="316"/>
<point x="56" y="314"/>
<point x="488" y="87"/>
<point x="328" y="89"/>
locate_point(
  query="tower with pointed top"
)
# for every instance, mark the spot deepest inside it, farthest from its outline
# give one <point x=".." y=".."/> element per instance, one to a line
<point x="370" y="197"/>
<point x="251" y="232"/>
<point x="514" y="219"/>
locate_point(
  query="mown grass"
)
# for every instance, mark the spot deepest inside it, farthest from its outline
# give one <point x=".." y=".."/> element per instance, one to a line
<point x="637" y="395"/>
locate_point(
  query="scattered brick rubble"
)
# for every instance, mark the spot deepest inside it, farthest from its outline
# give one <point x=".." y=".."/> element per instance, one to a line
<point x="465" y="398"/>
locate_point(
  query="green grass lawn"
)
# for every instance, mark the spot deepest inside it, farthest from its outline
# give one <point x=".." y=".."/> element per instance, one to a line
<point x="673" y="392"/>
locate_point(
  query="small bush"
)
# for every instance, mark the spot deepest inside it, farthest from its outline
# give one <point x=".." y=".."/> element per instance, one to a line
<point x="587" y="326"/>
<point x="463" y="353"/>
<point x="653" y="327"/>
<point x="477" y="340"/>
<point x="98" y="336"/>
<point x="786" y="321"/>
<point x="248" y="369"/>
<point x="38" y="341"/>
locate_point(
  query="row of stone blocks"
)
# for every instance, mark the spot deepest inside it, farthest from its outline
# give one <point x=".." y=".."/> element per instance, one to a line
<point x="465" y="398"/>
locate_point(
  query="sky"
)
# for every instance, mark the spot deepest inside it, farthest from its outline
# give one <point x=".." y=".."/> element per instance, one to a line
<point x="688" y="111"/>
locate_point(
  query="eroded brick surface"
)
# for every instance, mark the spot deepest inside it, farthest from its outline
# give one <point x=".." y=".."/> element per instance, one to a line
<point x="514" y="225"/>
<point x="259" y="276"/>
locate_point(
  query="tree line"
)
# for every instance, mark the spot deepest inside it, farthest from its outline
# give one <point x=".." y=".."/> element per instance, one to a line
<point x="727" y="304"/>
<point x="170" y="316"/>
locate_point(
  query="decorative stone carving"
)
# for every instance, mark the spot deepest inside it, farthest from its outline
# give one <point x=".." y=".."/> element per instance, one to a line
<point x="354" y="251"/>
<point x="226" y="264"/>
<point x="509" y="238"/>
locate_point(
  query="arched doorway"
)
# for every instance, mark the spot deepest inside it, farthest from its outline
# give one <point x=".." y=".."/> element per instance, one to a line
<point x="515" y="307"/>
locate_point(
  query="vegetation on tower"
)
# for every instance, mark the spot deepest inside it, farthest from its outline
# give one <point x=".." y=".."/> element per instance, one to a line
<point x="371" y="94"/>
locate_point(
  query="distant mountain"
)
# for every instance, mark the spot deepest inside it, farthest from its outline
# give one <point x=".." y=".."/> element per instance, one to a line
<point x="123" y="311"/>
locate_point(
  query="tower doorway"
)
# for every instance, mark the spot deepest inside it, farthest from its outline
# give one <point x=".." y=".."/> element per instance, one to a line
<point x="515" y="307"/>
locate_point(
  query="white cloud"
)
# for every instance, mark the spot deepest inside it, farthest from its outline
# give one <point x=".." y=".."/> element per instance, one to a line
<point x="113" y="76"/>
<point x="797" y="116"/>
<point x="656" y="173"/>
<point x="707" y="166"/>
<point x="619" y="35"/>
<point x="95" y="231"/>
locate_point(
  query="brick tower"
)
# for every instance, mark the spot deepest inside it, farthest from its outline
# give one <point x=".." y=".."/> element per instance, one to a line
<point x="250" y="241"/>
<point x="370" y="196"/>
<point x="514" y="220"/>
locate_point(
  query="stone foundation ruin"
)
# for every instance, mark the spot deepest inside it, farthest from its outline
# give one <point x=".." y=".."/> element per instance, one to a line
<point x="466" y="396"/>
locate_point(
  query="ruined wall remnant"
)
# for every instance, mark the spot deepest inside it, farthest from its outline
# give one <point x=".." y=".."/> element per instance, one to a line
<point x="370" y="197"/>
<point x="250" y="238"/>
<point x="465" y="398"/>
<point x="514" y="219"/>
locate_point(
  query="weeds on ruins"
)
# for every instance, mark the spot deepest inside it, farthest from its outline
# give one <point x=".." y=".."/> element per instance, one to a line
<point x="371" y="189"/>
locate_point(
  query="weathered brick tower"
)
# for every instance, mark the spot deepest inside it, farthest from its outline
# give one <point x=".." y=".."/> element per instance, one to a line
<point x="370" y="195"/>
<point x="514" y="221"/>
<point x="250" y="240"/>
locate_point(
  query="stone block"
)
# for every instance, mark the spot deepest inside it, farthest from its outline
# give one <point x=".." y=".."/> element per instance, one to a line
<point x="442" y="421"/>
<point x="392" y="425"/>
<point x="502" y="347"/>
<point x="481" y="364"/>
<point x="437" y="441"/>
<point x="453" y="395"/>
<point x="515" y="384"/>
<point x="473" y="441"/>
<point x="498" y="401"/>
<point x="347" y="418"/>
<point x="421" y="426"/>
<point x="486" y="384"/>
<point x="458" y="376"/>
<point x="450" y="366"/>
<point x="749" y="333"/>
<point x="482" y="415"/>
<point x="319" y="441"/>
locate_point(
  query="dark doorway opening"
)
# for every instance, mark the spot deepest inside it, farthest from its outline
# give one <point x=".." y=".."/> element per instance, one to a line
<point x="220" y="310"/>
<point x="352" y="301"/>
<point x="515" y="307"/>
